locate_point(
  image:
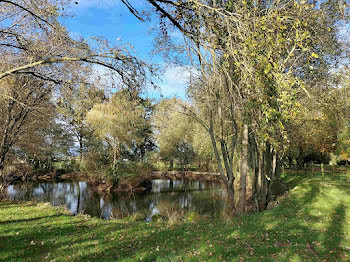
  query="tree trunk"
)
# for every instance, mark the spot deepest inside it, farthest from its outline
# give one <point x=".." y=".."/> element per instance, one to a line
<point x="244" y="169"/>
<point x="1" y="171"/>
<point x="3" y="154"/>
<point x="267" y="173"/>
<point x="300" y="158"/>
<point x="227" y="179"/>
<point x="274" y="162"/>
<point x="2" y="160"/>
<point x="255" y="177"/>
<point x="115" y="157"/>
<point x="274" y="188"/>
<point x="228" y="168"/>
<point x="171" y="161"/>
<point x="3" y="182"/>
<point x="290" y="161"/>
<point x="253" y="160"/>
<point x="80" y="149"/>
<point x="260" y="183"/>
<point x="78" y="202"/>
<point x="4" y="148"/>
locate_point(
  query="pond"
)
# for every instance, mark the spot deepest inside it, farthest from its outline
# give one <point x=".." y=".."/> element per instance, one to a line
<point x="205" y="198"/>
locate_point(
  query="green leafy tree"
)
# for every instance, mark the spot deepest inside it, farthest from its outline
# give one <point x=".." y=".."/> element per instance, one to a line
<point x="117" y="122"/>
<point x="74" y="104"/>
<point x="203" y="149"/>
<point x="256" y="58"/>
<point x="174" y="131"/>
<point x="24" y="107"/>
<point x="140" y="148"/>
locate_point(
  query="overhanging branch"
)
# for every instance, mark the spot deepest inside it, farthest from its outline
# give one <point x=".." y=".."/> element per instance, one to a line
<point x="25" y="9"/>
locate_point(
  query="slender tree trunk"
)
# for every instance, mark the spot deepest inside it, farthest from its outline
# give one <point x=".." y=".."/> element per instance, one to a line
<point x="290" y="161"/>
<point x="274" y="162"/>
<point x="267" y="173"/>
<point x="4" y="148"/>
<point x="255" y="175"/>
<point x="115" y="157"/>
<point x="274" y="184"/>
<point x="300" y="158"/>
<point x="78" y="202"/>
<point x="228" y="166"/>
<point x="260" y="183"/>
<point x="244" y="169"/>
<point x="3" y="153"/>
<point x="254" y="166"/>
<point x="80" y="149"/>
<point x="3" y="182"/>
<point x="228" y="181"/>
<point x="2" y="160"/>
<point x="1" y="175"/>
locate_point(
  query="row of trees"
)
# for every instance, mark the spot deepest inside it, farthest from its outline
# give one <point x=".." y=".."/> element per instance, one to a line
<point x="269" y="89"/>
<point x="260" y="64"/>
<point x="46" y="79"/>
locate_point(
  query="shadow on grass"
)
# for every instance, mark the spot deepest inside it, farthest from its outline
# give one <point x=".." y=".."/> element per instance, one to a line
<point x="283" y="234"/>
<point x="335" y="234"/>
<point x="262" y="236"/>
<point x="29" y="219"/>
<point x="293" y="179"/>
<point x="9" y="203"/>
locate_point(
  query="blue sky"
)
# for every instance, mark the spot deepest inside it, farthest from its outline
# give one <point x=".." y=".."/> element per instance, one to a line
<point x="113" y="21"/>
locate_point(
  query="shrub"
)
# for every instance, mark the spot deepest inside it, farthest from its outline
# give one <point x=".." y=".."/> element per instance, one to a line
<point x="192" y="217"/>
<point x="172" y="213"/>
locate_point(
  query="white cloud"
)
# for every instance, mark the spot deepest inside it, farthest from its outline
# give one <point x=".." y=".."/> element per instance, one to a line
<point x="176" y="34"/>
<point x="175" y="81"/>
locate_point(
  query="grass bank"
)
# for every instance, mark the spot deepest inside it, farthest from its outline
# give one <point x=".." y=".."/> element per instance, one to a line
<point x="311" y="224"/>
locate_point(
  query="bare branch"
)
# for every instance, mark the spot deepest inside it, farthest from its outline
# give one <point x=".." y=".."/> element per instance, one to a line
<point x="25" y="9"/>
<point x="41" y="77"/>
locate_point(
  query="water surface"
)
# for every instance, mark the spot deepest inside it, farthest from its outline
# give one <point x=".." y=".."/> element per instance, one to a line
<point x="205" y="198"/>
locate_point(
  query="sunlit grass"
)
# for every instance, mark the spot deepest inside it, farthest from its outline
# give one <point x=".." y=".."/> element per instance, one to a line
<point x="311" y="224"/>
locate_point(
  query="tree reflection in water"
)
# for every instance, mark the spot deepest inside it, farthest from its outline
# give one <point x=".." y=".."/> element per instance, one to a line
<point x="205" y="198"/>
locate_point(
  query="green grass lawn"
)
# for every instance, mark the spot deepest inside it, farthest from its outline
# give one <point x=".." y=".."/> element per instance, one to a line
<point x="311" y="224"/>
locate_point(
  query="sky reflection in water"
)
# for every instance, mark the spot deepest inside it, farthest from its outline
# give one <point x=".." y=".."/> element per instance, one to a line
<point x="204" y="198"/>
